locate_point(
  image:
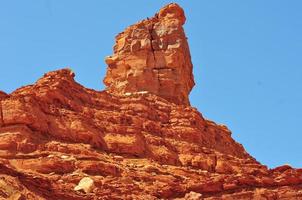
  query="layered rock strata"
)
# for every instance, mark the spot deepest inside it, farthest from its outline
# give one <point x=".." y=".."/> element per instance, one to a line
<point x="60" y="140"/>
<point x="56" y="132"/>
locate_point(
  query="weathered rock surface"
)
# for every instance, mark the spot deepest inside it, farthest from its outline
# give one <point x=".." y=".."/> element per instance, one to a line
<point x="125" y="144"/>
<point x="153" y="55"/>
<point x="2" y="95"/>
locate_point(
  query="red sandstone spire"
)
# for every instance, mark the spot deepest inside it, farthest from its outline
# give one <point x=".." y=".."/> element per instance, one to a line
<point x="153" y="55"/>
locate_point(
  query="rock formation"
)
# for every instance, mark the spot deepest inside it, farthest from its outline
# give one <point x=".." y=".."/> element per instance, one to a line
<point x="59" y="140"/>
<point x="153" y="56"/>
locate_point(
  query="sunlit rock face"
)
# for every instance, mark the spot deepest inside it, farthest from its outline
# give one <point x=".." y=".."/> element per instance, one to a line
<point x="60" y="140"/>
<point x="153" y="55"/>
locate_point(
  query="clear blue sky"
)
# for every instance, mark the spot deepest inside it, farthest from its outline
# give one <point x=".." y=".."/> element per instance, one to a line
<point x="246" y="56"/>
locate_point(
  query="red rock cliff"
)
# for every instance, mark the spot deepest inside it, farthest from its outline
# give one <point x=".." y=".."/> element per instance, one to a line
<point x="153" y="55"/>
<point x="60" y="140"/>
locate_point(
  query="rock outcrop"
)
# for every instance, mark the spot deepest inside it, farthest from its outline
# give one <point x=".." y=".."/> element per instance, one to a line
<point x="60" y="140"/>
<point x="153" y="56"/>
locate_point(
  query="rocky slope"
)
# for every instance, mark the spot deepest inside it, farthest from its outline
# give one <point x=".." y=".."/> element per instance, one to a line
<point x="138" y="139"/>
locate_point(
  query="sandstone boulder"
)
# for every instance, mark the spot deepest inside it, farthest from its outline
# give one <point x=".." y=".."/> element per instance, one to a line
<point x="86" y="184"/>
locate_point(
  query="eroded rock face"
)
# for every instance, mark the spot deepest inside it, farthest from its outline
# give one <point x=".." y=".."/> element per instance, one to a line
<point x="60" y="140"/>
<point x="56" y="132"/>
<point x="153" y="55"/>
